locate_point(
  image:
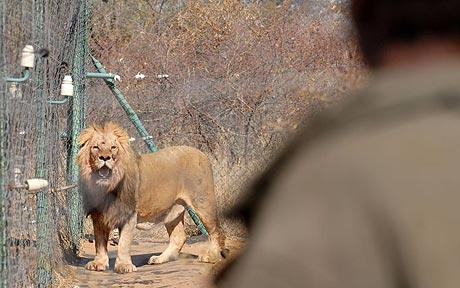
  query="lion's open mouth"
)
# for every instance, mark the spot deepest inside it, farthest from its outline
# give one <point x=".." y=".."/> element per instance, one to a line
<point x="104" y="172"/>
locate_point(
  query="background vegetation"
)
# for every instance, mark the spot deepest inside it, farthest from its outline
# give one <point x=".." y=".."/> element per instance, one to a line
<point x="232" y="78"/>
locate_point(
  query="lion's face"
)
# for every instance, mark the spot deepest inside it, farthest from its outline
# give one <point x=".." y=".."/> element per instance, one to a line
<point x="103" y="156"/>
<point x="103" y="149"/>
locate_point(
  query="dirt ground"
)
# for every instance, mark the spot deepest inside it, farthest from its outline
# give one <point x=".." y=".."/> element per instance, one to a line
<point x="184" y="272"/>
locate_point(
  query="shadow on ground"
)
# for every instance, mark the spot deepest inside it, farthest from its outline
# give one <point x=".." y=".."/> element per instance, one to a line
<point x="138" y="260"/>
<point x="187" y="271"/>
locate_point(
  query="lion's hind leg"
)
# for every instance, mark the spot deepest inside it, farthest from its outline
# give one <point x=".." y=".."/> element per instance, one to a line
<point x="215" y="249"/>
<point x="216" y="238"/>
<point x="174" y="224"/>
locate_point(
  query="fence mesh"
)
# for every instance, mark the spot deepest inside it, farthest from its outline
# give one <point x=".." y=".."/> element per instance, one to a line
<point x="35" y="136"/>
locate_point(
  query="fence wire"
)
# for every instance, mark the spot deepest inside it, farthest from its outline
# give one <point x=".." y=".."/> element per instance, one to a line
<point x="35" y="137"/>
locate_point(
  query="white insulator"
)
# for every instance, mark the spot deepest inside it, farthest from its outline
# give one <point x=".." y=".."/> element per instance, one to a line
<point x="162" y="76"/>
<point x="139" y="76"/>
<point x="28" y="56"/>
<point x="67" y="86"/>
<point x="36" y="184"/>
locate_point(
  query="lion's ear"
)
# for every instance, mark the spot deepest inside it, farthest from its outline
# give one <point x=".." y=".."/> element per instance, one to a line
<point x="85" y="135"/>
<point x="120" y="133"/>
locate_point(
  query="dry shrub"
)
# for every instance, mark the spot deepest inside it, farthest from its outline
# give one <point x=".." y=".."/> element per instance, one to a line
<point x="243" y="75"/>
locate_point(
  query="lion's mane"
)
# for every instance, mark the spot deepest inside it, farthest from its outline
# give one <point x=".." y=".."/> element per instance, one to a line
<point x="114" y="203"/>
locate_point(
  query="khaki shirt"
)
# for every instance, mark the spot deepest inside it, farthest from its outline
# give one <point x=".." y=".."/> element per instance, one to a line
<point x="369" y="196"/>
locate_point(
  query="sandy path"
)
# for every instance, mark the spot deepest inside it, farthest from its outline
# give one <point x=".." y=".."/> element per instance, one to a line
<point x="185" y="272"/>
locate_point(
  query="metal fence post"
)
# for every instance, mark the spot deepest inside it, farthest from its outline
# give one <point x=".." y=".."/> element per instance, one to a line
<point x="44" y="266"/>
<point x="77" y="122"/>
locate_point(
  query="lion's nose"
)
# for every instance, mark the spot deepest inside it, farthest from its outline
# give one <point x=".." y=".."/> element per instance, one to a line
<point x="104" y="158"/>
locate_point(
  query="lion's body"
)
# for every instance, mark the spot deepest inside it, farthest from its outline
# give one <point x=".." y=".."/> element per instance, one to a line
<point x="121" y="188"/>
<point x="172" y="175"/>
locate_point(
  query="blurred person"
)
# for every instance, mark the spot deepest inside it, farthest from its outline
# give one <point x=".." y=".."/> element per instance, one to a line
<point x="369" y="195"/>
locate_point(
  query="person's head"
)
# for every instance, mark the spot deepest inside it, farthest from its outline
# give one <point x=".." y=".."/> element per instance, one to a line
<point x="384" y="24"/>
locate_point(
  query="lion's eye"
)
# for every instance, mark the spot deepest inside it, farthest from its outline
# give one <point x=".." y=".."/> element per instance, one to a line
<point x="96" y="147"/>
<point x="114" y="147"/>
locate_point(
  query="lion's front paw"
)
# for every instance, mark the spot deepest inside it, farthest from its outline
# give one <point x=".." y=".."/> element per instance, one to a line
<point x="163" y="258"/>
<point x="158" y="259"/>
<point x="97" y="265"/>
<point x="123" y="267"/>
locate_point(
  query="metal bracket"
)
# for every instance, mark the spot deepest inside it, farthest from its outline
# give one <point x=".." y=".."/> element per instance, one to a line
<point x="59" y="102"/>
<point x="66" y="91"/>
<point x="103" y="76"/>
<point x="25" y="76"/>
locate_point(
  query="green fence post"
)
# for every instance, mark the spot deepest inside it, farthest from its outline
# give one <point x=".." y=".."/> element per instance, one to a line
<point x="77" y="113"/>
<point x="44" y="266"/>
<point x="44" y="258"/>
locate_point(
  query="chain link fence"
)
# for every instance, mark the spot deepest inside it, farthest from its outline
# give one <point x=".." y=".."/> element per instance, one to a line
<point x="36" y="137"/>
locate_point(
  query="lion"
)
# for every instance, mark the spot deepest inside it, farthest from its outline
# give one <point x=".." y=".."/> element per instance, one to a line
<point x="121" y="188"/>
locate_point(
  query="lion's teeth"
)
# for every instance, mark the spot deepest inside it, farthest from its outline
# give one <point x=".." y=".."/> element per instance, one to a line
<point x="104" y="172"/>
